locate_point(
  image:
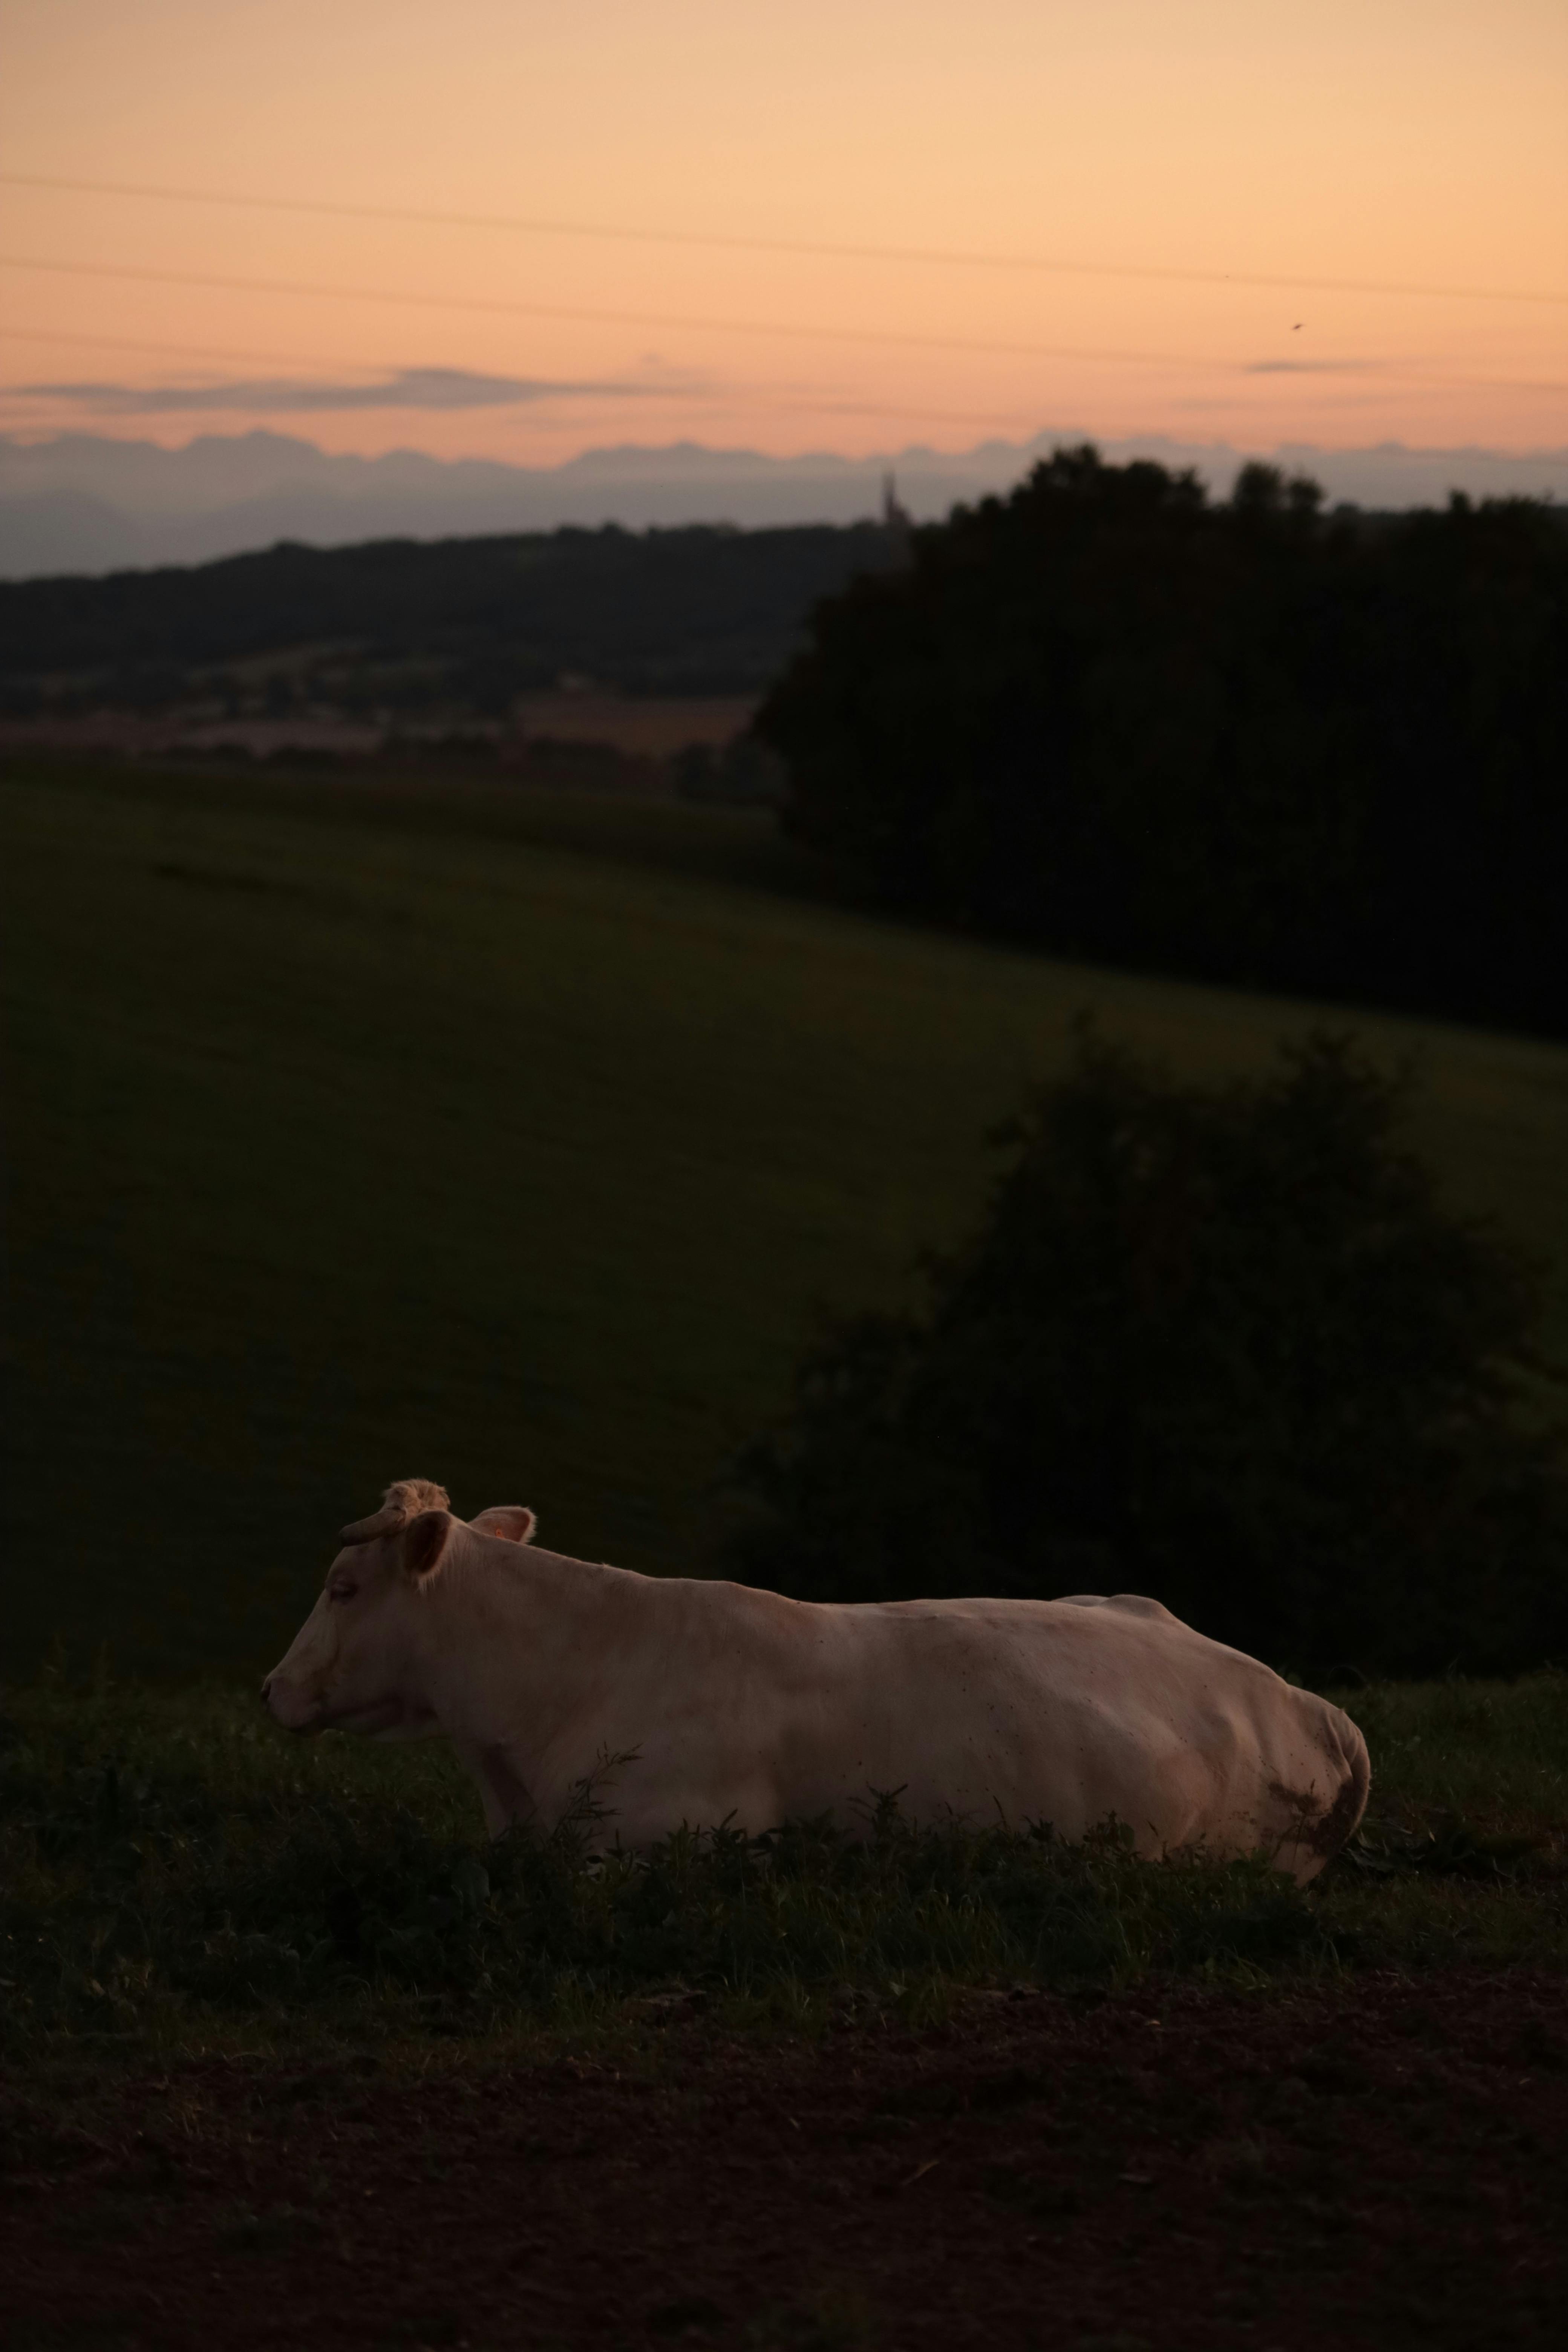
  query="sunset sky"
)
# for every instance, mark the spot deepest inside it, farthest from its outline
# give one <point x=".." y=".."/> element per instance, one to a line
<point x="848" y="225"/>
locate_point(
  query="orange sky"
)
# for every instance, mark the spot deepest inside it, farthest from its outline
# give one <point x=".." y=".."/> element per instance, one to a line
<point x="1169" y="150"/>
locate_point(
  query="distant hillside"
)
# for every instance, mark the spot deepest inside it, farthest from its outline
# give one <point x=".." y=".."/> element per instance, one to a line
<point x="469" y="623"/>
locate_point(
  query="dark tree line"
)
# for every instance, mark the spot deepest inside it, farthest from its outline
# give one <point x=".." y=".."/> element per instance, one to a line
<point x="1248" y="740"/>
<point x="1222" y="1344"/>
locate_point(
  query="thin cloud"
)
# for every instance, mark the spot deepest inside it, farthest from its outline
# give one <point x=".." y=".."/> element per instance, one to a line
<point x="422" y="388"/>
<point x="1311" y="367"/>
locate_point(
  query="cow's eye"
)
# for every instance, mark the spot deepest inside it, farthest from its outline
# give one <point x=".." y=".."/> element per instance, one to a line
<point x="341" y="1590"/>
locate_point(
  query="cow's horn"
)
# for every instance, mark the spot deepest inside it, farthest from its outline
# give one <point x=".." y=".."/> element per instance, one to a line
<point x="380" y="1523"/>
<point x="403" y="1500"/>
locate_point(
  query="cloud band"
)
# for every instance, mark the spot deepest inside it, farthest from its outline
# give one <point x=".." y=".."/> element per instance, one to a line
<point x="427" y="388"/>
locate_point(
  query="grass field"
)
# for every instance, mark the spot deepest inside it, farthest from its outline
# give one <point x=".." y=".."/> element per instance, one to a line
<point x="354" y="1130"/>
<point x="179" y="1874"/>
<point x="288" y="2054"/>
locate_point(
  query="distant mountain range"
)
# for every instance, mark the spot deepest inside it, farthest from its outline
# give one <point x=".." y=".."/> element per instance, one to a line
<point x="87" y="503"/>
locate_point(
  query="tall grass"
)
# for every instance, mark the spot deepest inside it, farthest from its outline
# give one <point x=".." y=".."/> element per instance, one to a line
<point x="173" y="1870"/>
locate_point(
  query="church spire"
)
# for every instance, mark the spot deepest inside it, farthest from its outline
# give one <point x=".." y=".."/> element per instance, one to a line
<point x="897" y="521"/>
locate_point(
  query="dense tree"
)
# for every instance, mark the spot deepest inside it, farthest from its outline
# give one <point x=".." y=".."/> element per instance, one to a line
<point x="1223" y="1344"/>
<point x="1245" y="740"/>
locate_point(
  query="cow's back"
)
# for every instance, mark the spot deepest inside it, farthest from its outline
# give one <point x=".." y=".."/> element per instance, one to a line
<point x="731" y="1703"/>
<point x="1070" y="1711"/>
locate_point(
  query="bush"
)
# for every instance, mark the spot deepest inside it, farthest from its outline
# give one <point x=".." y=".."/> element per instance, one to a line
<point x="1221" y="1344"/>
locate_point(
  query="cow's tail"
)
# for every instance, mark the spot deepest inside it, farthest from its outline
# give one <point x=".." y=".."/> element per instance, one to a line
<point x="1340" y="1822"/>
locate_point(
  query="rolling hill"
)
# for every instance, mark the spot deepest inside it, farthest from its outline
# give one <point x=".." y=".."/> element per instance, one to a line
<point x="513" y="1140"/>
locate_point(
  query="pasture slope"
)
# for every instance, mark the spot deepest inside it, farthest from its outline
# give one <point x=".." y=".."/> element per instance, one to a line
<point x="514" y="1141"/>
<point x="355" y="1128"/>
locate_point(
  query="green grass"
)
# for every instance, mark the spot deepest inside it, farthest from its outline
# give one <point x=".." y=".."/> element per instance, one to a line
<point x="361" y="1130"/>
<point x="176" y="1873"/>
<point x="1497" y="1752"/>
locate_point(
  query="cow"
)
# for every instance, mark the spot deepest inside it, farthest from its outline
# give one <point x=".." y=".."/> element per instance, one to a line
<point x="681" y="1700"/>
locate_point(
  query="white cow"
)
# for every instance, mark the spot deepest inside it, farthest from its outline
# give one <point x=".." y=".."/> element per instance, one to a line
<point x="740" y="1706"/>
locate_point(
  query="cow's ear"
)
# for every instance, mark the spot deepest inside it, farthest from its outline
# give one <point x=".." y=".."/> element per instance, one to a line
<point x="515" y="1521"/>
<point x="423" y="1541"/>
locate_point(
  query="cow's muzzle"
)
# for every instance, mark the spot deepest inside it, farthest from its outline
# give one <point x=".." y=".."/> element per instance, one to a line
<point x="288" y="1705"/>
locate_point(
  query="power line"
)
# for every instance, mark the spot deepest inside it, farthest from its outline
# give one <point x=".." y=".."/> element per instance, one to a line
<point x="167" y="351"/>
<point x="589" y="317"/>
<point x="937" y="256"/>
<point x="898" y="338"/>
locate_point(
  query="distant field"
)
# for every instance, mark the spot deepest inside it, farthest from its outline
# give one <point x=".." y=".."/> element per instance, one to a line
<point x="358" y="1129"/>
<point x="650" y="727"/>
<point x="644" y="726"/>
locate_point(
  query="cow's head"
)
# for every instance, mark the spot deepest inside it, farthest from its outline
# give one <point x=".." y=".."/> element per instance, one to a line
<point x="361" y="1662"/>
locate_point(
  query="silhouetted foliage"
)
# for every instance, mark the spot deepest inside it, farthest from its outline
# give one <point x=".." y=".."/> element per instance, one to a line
<point x="1223" y="1345"/>
<point x="1244" y="741"/>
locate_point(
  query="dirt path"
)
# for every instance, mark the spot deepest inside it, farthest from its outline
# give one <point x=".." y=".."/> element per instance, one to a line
<point x="1381" y="2166"/>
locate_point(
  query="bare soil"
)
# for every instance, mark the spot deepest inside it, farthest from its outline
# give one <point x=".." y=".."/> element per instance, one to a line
<point x="1381" y="2165"/>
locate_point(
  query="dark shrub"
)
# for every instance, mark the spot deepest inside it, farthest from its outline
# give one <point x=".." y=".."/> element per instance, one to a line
<point x="1223" y="1344"/>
